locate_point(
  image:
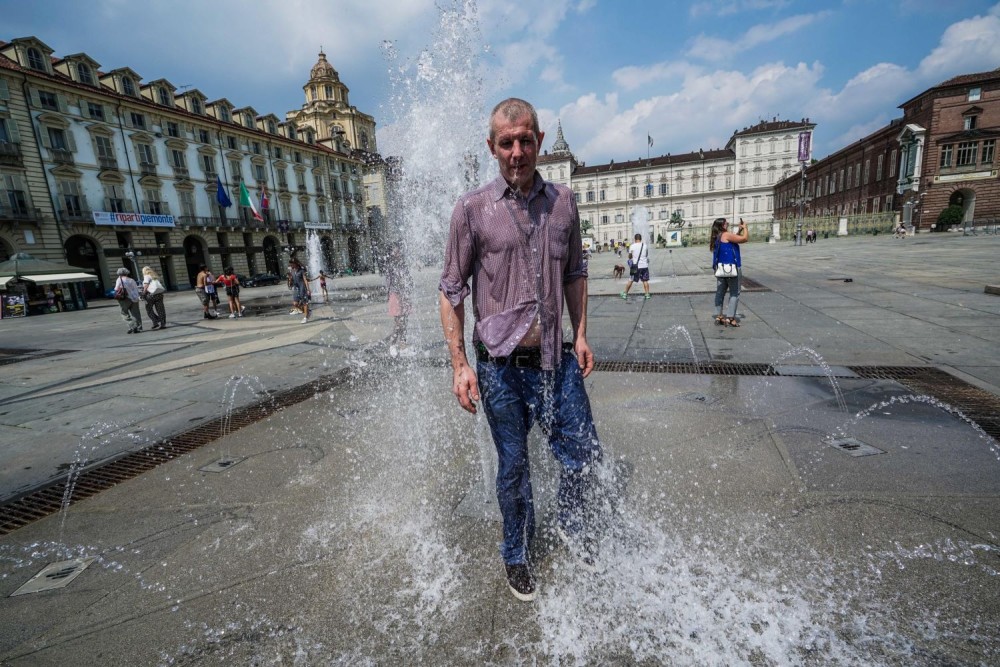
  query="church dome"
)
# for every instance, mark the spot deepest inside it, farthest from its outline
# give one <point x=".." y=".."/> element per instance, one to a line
<point x="322" y="69"/>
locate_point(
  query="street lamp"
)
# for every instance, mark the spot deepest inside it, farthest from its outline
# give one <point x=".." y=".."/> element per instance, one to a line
<point x="131" y="255"/>
<point x="800" y="200"/>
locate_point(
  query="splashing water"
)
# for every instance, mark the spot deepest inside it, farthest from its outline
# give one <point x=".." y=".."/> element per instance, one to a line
<point x="926" y="400"/>
<point x="821" y="362"/>
<point x="314" y="259"/>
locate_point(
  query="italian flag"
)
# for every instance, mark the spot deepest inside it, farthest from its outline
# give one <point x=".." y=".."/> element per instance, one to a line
<point x="246" y="201"/>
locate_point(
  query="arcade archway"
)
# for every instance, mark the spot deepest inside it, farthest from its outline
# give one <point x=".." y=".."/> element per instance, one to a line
<point x="82" y="252"/>
<point x="194" y="257"/>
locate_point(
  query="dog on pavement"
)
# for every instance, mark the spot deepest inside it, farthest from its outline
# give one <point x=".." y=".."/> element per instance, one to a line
<point x="619" y="271"/>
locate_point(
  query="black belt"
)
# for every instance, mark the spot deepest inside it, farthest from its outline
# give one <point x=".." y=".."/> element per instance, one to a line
<point x="521" y="357"/>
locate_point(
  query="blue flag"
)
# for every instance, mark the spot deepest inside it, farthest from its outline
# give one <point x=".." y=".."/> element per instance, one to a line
<point x="220" y="194"/>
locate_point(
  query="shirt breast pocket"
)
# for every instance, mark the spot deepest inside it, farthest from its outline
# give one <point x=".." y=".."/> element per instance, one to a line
<point x="558" y="241"/>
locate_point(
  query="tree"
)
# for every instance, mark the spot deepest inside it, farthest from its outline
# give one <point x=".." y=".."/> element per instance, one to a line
<point x="952" y="215"/>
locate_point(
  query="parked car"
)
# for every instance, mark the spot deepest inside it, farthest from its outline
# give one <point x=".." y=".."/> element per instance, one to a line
<point x="244" y="281"/>
<point x="262" y="279"/>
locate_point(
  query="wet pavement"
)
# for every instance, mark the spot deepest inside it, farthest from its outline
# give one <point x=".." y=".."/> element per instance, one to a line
<point x="774" y="497"/>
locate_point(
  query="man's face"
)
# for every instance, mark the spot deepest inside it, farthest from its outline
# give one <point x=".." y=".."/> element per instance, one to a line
<point x="515" y="146"/>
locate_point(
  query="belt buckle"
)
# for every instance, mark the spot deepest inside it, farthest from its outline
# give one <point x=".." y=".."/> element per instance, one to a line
<point x="521" y="361"/>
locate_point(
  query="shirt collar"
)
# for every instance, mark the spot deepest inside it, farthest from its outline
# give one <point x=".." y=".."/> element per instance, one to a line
<point x="500" y="189"/>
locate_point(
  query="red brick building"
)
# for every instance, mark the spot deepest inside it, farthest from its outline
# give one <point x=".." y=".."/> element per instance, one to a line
<point x="941" y="152"/>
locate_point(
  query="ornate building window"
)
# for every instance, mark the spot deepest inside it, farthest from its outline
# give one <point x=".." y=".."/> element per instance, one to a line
<point x="164" y="96"/>
<point x="84" y="74"/>
<point x="128" y="87"/>
<point x="35" y="59"/>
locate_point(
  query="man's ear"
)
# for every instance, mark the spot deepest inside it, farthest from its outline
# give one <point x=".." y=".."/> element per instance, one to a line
<point x="489" y="143"/>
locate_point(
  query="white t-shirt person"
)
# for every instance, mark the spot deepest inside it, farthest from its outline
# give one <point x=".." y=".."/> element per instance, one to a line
<point x="640" y="256"/>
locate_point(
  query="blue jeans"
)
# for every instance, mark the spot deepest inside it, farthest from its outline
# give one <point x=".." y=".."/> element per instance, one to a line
<point x="733" y="285"/>
<point x="513" y="398"/>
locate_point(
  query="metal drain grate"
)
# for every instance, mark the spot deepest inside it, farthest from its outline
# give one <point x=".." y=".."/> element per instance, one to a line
<point x="702" y="368"/>
<point x="54" y="575"/>
<point x="854" y="447"/>
<point x="49" y="499"/>
<point x="222" y="464"/>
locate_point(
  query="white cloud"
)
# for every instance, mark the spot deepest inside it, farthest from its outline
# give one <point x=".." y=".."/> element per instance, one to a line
<point x="703" y="112"/>
<point x="730" y="7"/>
<point x="717" y="49"/>
<point x="633" y="76"/>
<point x="972" y="45"/>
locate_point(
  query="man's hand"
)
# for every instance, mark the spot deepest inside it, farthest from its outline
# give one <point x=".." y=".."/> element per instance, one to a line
<point x="466" y="388"/>
<point x="584" y="355"/>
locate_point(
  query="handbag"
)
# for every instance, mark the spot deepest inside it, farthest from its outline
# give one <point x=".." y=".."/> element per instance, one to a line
<point x="725" y="270"/>
<point x="121" y="293"/>
<point x="155" y="287"/>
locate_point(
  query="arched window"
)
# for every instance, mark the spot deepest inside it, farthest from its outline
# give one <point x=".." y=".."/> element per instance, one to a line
<point x="83" y="73"/>
<point x="312" y="92"/>
<point x="329" y="92"/>
<point x="271" y="128"/>
<point x="364" y="140"/>
<point x="35" y="60"/>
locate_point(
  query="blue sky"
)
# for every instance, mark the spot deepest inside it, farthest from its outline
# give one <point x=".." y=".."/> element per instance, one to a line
<point x="688" y="74"/>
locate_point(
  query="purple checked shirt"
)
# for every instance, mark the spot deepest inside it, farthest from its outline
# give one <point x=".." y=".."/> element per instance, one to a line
<point x="519" y="253"/>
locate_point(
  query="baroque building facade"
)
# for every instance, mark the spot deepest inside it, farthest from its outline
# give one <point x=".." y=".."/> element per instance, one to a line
<point x="100" y="170"/>
<point x="942" y="152"/>
<point x="671" y="193"/>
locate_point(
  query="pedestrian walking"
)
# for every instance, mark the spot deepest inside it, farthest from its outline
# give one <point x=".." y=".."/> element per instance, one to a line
<point x="639" y="252"/>
<point x="517" y="239"/>
<point x="152" y="294"/>
<point x="127" y="295"/>
<point x="725" y="247"/>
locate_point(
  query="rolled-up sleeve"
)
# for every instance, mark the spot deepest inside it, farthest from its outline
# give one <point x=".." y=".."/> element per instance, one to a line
<point x="576" y="265"/>
<point x="458" y="257"/>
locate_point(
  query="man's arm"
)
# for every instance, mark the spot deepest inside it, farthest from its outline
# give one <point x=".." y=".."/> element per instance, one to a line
<point x="464" y="384"/>
<point x="576" y="305"/>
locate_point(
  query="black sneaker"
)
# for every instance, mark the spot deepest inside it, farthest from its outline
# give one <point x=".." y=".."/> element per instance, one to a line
<point x="520" y="581"/>
<point x="581" y="547"/>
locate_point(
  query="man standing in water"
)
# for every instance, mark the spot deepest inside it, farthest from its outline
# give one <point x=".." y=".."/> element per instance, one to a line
<point x="518" y="240"/>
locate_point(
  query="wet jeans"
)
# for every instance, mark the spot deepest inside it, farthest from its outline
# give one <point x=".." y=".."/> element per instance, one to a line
<point x="733" y="285"/>
<point x="513" y="399"/>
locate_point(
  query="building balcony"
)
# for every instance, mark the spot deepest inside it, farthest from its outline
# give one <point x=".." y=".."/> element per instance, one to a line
<point x="211" y="176"/>
<point x="77" y="215"/>
<point x="10" y="154"/>
<point x="61" y="156"/>
<point x="319" y="189"/>
<point x="107" y="163"/>
<point x="282" y="187"/>
<point x="180" y="172"/>
<point x="19" y="212"/>
<point x="147" y="168"/>
<point x="156" y="207"/>
<point x="303" y="190"/>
